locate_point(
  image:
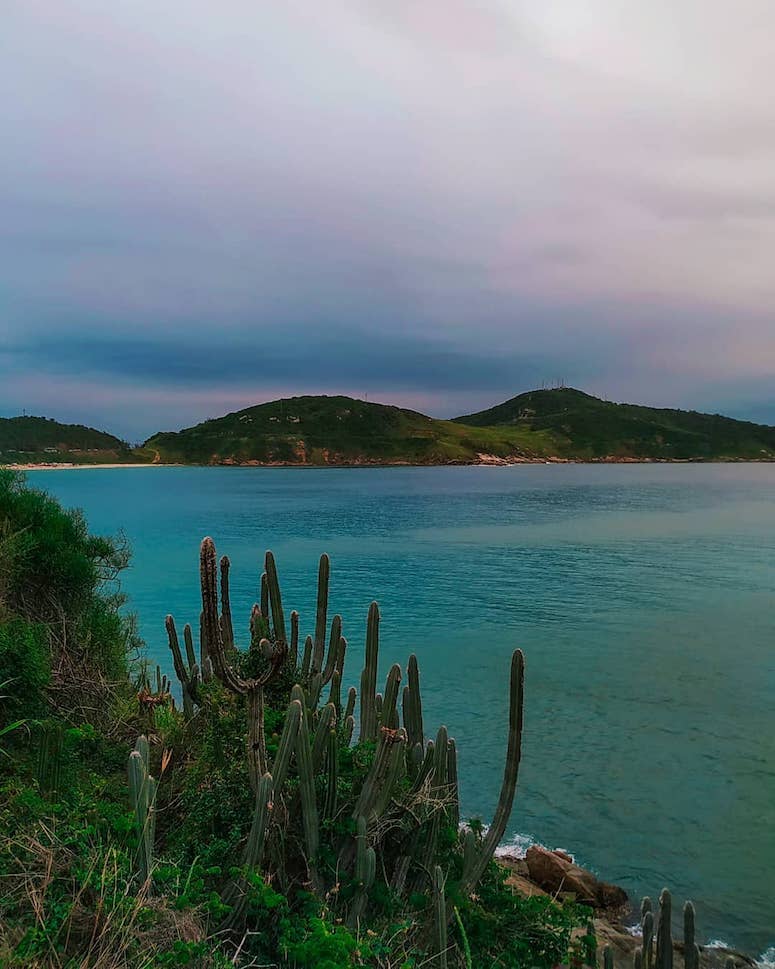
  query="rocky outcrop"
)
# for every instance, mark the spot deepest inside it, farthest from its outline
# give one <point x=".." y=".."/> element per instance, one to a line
<point x="555" y="874"/>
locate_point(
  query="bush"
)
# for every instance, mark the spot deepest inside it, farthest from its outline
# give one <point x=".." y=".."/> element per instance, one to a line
<point x="53" y="573"/>
<point x="25" y="669"/>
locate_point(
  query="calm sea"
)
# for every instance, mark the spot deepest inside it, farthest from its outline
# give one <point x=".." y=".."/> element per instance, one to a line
<point x="643" y="597"/>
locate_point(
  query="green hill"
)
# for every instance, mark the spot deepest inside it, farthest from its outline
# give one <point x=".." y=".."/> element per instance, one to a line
<point x="35" y="440"/>
<point x="340" y="430"/>
<point x="587" y="428"/>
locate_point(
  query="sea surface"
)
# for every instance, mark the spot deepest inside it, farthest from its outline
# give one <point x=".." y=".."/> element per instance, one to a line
<point x="643" y="597"/>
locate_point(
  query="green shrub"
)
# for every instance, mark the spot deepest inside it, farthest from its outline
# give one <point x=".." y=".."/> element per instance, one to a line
<point x="25" y="669"/>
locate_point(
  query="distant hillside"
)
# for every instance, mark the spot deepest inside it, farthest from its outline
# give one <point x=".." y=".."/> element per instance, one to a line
<point x="34" y="440"/>
<point x="587" y="428"/>
<point x="339" y="430"/>
<point x="542" y="425"/>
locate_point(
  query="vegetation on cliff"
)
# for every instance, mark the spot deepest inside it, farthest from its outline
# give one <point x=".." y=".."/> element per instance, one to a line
<point x="587" y="428"/>
<point x="542" y="425"/>
<point x="339" y="430"/>
<point x="33" y="440"/>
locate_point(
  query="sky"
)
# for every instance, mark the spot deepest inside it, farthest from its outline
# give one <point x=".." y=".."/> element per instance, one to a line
<point x="435" y="203"/>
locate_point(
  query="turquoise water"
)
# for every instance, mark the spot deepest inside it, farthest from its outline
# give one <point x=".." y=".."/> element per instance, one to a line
<point x="643" y="597"/>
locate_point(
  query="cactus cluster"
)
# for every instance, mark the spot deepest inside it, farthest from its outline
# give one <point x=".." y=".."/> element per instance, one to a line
<point x="388" y="828"/>
<point x="656" y="948"/>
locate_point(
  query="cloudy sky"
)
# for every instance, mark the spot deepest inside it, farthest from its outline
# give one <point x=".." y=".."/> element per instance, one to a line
<point x="439" y="203"/>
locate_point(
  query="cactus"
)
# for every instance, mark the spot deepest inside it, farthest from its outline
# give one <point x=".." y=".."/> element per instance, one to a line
<point x="335" y="694"/>
<point x="275" y="600"/>
<point x="407" y="796"/>
<point x="454" y="792"/>
<point x="365" y="871"/>
<point x="332" y="660"/>
<point x="263" y="596"/>
<point x="251" y="689"/>
<point x="322" y="611"/>
<point x="309" y="810"/>
<point x="440" y="944"/>
<point x="235" y="894"/>
<point x="665" y="931"/>
<point x="227" y="630"/>
<point x="691" y="949"/>
<point x="389" y="713"/>
<point x="647" y="935"/>
<point x="368" y="729"/>
<point x="351" y="698"/>
<point x="287" y="744"/>
<point x="412" y="704"/>
<point x="188" y="675"/>
<point x="142" y="794"/>
<point x="293" y="650"/>
<point x="608" y="958"/>
<point x="508" y="788"/>
<point x="306" y="662"/>
<point x="332" y="776"/>
<point x="326" y="722"/>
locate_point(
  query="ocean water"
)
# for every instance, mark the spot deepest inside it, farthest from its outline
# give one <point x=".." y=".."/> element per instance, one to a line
<point x="642" y="595"/>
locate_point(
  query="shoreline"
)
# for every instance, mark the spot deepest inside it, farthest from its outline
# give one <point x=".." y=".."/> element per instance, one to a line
<point x="488" y="463"/>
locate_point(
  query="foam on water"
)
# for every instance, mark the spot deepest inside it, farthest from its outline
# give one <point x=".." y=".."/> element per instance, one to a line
<point x="517" y="846"/>
<point x="767" y="959"/>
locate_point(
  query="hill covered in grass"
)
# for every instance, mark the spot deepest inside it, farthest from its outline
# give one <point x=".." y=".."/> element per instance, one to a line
<point x="33" y="440"/>
<point x="341" y="431"/>
<point x="587" y="428"/>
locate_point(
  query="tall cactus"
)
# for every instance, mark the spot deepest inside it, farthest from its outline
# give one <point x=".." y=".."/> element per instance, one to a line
<point x="412" y="704"/>
<point x="513" y="754"/>
<point x="187" y="672"/>
<point x="252" y="689"/>
<point x="440" y="943"/>
<point x="369" y="677"/>
<point x="142" y="794"/>
<point x="665" y="931"/>
<point x="227" y="630"/>
<point x="691" y="949"/>
<point x="235" y="895"/>
<point x="365" y="871"/>
<point x="319" y="641"/>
